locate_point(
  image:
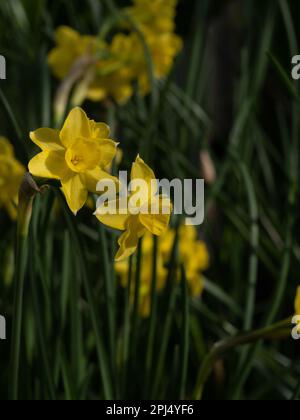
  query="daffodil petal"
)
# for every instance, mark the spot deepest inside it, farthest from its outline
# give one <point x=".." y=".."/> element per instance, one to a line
<point x="142" y="171"/>
<point x="66" y="36"/>
<point x="75" y="192"/>
<point x="47" y="139"/>
<point x="128" y="242"/>
<point x="108" y="151"/>
<point x="115" y="221"/>
<point x="76" y="125"/>
<point x="6" y="148"/>
<point x="100" y="130"/>
<point x="49" y="165"/>
<point x="94" y="176"/>
<point x="196" y="284"/>
<point x="157" y="223"/>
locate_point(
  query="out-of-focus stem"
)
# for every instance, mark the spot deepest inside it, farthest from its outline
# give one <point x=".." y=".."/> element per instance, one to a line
<point x="28" y="191"/>
<point x="272" y="332"/>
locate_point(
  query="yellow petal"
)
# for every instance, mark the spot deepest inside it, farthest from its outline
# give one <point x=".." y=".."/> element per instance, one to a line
<point x="60" y="62"/>
<point x="96" y="93"/>
<point x="99" y="130"/>
<point x="94" y="176"/>
<point x="75" y="192"/>
<point x="76" y="125"/>
<point x="47" y="139"/>
<point x="196" y="284"/>
<point x="129" y="240"/>
<point x="108" y="150"/>
<point x="122" y="93"/>
<point x="115" y="221"/>
<point x="66" y="36"/>
<point x="297" y="302"/>
<point x="157" y="223"/>
<point x="6" y="148"/>
<point x="142" y="171"/>
<point x="49" y="165"/>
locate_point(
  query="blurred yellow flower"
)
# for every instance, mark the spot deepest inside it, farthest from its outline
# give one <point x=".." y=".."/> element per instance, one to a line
<point x="158" y="15"/>
<point x="164" y="48"/>
<point x="136" y="225"/>
<point x="70" y="47"/>
<point x="193" y="254"/>
<point x="77" y="156"/>
<point x="11" y="174"/>
<point x="114" y="73"/>
<point x="122" y="269"/>
<point x="297" y="302"/>
<point x="110" y="69"/>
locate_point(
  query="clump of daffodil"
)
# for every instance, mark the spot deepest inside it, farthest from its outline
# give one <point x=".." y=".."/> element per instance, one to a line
<point x="77" y="156"/>
<point x="105" y="70"/>
<point x="136" y="221"/>
<point x="156" y="21"/>
<point x="11" y="175"/>
<point x="297" y="302"/>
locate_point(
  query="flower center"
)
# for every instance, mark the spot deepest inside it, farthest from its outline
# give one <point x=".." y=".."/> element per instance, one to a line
<point x="76" y="160"/>
<point x="83" y="155"/>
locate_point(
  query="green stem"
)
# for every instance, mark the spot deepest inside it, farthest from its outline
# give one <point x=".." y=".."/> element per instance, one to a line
<point x="126" y="339"/>
<point x="153" y="316"/>
<point x="110" y="292"/>
<point x="101" y="353"/>
<point x="253" y="262"/>
<point x="136" y="304"/>
<point x="185" y="334"/>
<point x="40" y="330"/>
<point x="27" y="192"/>
<point x="219" y="349"/>
<point x="169" y="316"/>
<point x="21" y="261"/>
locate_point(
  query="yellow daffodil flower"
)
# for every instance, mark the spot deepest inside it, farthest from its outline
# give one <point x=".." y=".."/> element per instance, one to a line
<point x="11" y="174"/>
<point x="70" y="47"/>
<point x="77" y="156"/>
<point x="108" y="76"/>
<point x="136" y="225"/>
<point x="297" y="302"/>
